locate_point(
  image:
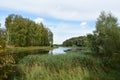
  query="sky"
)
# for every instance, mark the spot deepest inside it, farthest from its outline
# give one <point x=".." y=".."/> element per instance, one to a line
<point x="65" y="18"/>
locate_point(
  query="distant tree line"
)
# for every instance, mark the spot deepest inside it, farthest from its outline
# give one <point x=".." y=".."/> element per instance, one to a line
<point x="76" y="41"/>
<point x="25" y="32"/>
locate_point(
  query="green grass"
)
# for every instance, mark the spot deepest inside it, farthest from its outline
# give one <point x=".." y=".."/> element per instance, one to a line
<point x="23" y="49"/>
<point x="67" y="67"/>
<point x="10" y="56"/>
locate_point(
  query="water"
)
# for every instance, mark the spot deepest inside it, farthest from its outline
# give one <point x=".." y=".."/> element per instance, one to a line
<point x="9" y="60"/>
<point x="59" y="50"/>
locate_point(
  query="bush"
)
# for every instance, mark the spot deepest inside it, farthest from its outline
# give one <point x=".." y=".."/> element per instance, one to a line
<point x="3" y="43"/>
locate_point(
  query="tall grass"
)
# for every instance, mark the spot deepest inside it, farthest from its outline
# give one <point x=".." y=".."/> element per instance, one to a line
<point x="65" y="67"/>
<point x="23" y="49"/>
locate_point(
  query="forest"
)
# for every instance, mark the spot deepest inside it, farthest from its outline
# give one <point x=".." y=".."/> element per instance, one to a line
<point x="25" y="32"/>
<point x="76" y="41"/>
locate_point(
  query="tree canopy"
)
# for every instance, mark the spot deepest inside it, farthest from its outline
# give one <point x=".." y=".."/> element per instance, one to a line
<point x="75" y="41"/>
<point x="106" y="37"/>
<point x="25" y="32"/>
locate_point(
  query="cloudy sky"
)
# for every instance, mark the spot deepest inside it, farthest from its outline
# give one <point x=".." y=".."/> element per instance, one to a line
<point x="65" y="18"/>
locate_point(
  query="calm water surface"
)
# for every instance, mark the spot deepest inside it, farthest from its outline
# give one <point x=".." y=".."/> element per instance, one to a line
<point x="59" y="50"/>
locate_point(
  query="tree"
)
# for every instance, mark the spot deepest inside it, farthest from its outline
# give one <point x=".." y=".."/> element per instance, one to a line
<point x="50" y="37"/>
<point x="106" y="37"/>
<point x="2" y="38"/>
<point x="76" y="41"/>
<point x="8" y="24"/>
<point x="93" y="43"/>
<point x="24" y="32"/>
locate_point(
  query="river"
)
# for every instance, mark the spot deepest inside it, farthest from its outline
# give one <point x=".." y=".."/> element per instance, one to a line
<point x="59" y="50"/>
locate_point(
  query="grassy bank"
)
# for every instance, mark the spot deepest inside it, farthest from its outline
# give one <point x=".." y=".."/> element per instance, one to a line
<point x="67" y="67"/>
<point x="23" y="49"/>
<point x="10" y="56"/>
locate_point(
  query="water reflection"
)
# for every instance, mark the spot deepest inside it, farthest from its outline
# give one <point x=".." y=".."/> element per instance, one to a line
<point x="59" y="50"/>
<point x="8" y="61"/>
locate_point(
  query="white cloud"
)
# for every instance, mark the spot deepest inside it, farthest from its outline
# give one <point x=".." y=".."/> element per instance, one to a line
<point x="64" y="31"/>
<point x="39" y="20"/>
<point x="83" y="24"/>
<point x="73" y="10"/>
<point x="65" y="9"/>
<point x="2" y="21"/>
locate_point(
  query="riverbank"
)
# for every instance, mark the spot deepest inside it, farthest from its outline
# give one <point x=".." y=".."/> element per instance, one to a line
<point x="73" y="66"/>
<point x="79" y="65"/>
<point x="23" y="49"/>
<point x="77" y="50"/>
<point x="10" y="56"/>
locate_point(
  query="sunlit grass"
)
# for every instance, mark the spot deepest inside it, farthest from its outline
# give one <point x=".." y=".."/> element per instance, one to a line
<point x="2" y="51"/>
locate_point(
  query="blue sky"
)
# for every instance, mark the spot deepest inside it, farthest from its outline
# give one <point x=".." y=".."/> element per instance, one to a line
<point x="65" y="18"/>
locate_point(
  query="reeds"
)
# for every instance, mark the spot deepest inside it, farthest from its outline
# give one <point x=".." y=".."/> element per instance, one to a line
<point x="65" y="67"/>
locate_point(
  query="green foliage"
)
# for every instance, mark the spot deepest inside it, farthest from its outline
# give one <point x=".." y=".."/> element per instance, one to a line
<point x="2" y="38"/>
<point x="24" y="32"/>
<point x="106" y="38"/>
<point x="67" y="67"/>
<point x="93" y="43"/>
<point x="3" y="43"/>
<point x="76" y="41"/>
<point x="6" y="66"/>
<point x="50" y="37"/>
